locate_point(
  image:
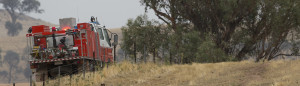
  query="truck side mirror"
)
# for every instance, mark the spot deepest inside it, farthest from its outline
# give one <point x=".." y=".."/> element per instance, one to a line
<point x="115" y="40"/>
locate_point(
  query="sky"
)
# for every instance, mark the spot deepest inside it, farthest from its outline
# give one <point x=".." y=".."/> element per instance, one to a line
<point x="111" y="13"/>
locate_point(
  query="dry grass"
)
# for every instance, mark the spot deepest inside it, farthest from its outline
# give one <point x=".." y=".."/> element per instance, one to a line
<point x="246" y="73"/>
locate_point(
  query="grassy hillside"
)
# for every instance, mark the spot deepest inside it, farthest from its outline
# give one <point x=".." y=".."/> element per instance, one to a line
<point x="16" y="44"/>
<point x="245" y="73"/>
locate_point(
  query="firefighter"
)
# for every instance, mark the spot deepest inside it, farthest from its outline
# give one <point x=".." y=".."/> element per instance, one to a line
<point x="62" y="47"/>
<point x="92" y="19"/>
<point x="62" y="43"/>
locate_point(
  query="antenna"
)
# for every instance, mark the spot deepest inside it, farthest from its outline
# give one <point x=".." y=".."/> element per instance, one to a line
<point x="77" y="11"/>
<point x="77" y="15"/>
<point x="97" y="21"/>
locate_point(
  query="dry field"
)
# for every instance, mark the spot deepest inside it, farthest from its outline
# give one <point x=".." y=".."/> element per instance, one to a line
<point x="17" y="84"/>
<point x="245" y="73"/>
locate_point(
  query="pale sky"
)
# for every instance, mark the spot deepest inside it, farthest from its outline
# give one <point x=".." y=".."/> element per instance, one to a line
<point x="111" y="13"/>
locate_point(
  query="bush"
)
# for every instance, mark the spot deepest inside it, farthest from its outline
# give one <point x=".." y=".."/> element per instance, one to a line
<point x="208" y="52"/>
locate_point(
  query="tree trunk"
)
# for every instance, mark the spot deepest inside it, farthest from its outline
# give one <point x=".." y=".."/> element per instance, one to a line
<point x="144" y="56"/>
<point x="243" y="52"/>
<point x="170" y="57"/>
<point x="163" y="55"/>
<point x="154" y="55"/>
<point x="14" y="19"/>
<point x="125" y="56"/>
<point x="134" y="50"/>
<point x="13" y="15"/>
<point x="9" y="77"/>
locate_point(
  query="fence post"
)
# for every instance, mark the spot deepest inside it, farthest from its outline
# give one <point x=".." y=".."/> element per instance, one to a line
<point x="108" y="61"/>
<point x="58" y="75"/>
<point x="115" y="53"/>
<point x="30" y="79"/>
<point x="43" y="79"/>
<point x="83" y="68"/>
<point x="71" y="80"/>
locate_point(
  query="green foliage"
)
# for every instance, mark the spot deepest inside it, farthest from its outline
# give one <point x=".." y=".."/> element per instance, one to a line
<point x="201" y="49"/>
<point x="209" y="52"/>
<point x="16" y="8"/>
<point x="191" y="41"/>
<point x="140" y="33"/>
<point x="239" y="28"/>
<point x="186" y="47"/>
<point x="21" y="6"/>
<point x="31" y="6"/>
<point x="13" y="28"/>
<point x="12" y="60"/>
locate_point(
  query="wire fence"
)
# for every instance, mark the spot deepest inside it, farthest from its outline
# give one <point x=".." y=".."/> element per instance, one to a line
<point x="71" y="74"/>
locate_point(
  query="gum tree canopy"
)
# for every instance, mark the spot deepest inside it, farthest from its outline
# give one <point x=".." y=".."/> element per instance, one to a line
<point x="240" y="28"/>
<point x="15" y="8"/>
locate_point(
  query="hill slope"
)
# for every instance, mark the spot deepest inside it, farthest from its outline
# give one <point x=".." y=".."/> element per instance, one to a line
<point x="273" y="73"/>
<point x="16" y="46"/>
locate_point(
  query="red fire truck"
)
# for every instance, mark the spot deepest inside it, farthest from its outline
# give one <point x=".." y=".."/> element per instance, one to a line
<point x="70" y="48"/>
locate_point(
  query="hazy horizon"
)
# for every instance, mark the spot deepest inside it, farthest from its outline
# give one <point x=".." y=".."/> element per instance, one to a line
<point x="111" y="13"/>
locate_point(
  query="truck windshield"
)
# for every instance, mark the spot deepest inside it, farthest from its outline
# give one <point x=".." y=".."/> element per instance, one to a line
<point x="106" y="37"/>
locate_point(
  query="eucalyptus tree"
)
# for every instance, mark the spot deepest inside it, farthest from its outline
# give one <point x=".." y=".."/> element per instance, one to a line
<point x="15" y="9"/>
<point x="240" y="28"/>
